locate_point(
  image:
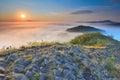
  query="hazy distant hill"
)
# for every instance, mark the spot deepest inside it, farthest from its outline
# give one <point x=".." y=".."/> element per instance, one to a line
<point x="104" y="21"/>
<point x="83" y="28"/>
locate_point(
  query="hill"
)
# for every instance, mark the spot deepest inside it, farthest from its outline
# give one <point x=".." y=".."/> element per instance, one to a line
<point x="83" y="29"/>
<point x="61" y="61"/>
<point x="93" y="39"/>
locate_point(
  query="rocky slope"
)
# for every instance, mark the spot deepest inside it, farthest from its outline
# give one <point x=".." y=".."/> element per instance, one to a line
<point x="61" y="62"/>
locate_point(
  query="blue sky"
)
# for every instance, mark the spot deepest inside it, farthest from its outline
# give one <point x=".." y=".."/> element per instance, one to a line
<point x="61" y="9"/>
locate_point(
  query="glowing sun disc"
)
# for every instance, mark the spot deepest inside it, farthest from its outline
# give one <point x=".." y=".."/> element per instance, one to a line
<point x="23" y="16"/>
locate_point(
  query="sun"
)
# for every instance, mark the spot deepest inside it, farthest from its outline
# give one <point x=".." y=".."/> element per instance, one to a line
<point x="22" y="16"/>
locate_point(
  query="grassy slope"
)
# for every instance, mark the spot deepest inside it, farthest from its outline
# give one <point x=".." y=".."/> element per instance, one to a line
<point x="93" y="39"/>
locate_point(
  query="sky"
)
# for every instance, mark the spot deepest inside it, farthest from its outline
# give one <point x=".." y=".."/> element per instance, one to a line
<point x="51" y="18"/>
<point x="60" y="10"/>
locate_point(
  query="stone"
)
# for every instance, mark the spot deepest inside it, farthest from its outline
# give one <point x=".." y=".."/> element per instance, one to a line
<point x="46" y="62"/>
<point x="20" y="77"/>
<point x="80" y="77"/>
<point x="43" y="76"/>
<point x="87" y="74"/>
<point x="29" y="74"/>
<point x="58" y="62"/>
<point x="69" y="75"/>
<point x="72" y="76"/>
<point x="2" y="73"/>
<point x="2" y="76"/>
<point x="57" y="73"/>
<point x="19" y="69"/>
<point x="75" y="68"/>
<point x="40" y="60"/>
<point x="68" y="66"/>
<point x="20" y="61"/>
<point x="55" y="52"/>
<point x="11" y="58"/>
<point x="2" y="70"/>
<point x="65" y="71"/>
<point x="41" y="68"/>
<point x="27" y="62"/>
<point x="52" y="58"/>
<point x="60" y="78"/>
<point x="33" y="69"/>
<point x="3" y="63"/>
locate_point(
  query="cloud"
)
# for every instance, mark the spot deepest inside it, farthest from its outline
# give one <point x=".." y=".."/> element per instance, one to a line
<point x="82" y="12"/>
<point x="60" y="24"/>
<point x="63" y="34"/>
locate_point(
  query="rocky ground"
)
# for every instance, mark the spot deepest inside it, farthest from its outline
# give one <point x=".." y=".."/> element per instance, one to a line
<point x="61" y="62"/>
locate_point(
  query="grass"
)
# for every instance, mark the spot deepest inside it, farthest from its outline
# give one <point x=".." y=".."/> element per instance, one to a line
<point x="29" y="57"/>
<point x="111" y="67"/>
<point x="88" y="40"/>
<point x="35" y="76"/>
<point x="93" y="40"/>
<point x="30" y="45"/>
<point x="5" y="51"/>
<point x="42" y="43"/>
<point x="37" y="44"/>
<point x="102" y="47"/>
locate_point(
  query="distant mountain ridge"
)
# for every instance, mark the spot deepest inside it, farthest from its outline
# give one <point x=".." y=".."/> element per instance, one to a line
<point x="104" y="21"/>
<point x="108" y="22"/>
